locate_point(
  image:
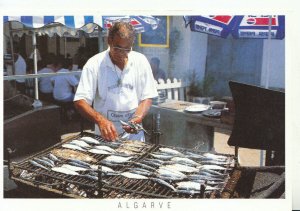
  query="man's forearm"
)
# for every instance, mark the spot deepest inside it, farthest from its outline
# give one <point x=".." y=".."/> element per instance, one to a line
<point x="142" y="110"/>
<point x="88" y="112"/>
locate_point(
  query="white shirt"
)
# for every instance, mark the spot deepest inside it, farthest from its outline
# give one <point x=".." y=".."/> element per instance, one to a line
<point x="20" y="68"/>
<point x="63" y="85"/>
<point x="99" y="85"/>
<point x="45" y="84"/>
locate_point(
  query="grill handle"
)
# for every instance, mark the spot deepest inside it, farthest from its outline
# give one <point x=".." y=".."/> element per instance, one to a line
<point x="9" y="153"/>
<point x="100" y="184"/>
<point x="156" y="128"/>
<point x="37" y="183"/>
<point x="202" y="189"/>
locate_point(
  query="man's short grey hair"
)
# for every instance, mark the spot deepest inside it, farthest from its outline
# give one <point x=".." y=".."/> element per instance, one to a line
<point x="127" y="32"/>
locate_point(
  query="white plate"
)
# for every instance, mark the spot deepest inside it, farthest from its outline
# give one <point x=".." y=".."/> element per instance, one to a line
<point x="197" y="108"/>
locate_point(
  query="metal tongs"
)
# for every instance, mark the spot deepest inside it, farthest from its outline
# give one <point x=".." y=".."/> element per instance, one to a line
<point x="135" y="126"/>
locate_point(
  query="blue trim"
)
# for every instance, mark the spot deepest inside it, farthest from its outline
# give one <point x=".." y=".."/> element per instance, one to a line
<point x="27" y="21"/>
<point x="69" y="21"/>
<point x="48" y="19"/>
<point x="88" y="19"/>
<point x="281" y="29"/>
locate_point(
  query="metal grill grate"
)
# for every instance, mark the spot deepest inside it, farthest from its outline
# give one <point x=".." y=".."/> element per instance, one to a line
<point x="114" y="186"/>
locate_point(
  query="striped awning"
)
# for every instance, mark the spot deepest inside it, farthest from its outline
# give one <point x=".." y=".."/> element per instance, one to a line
<point x="71" y="24"/>
<point x="69" y="21"/>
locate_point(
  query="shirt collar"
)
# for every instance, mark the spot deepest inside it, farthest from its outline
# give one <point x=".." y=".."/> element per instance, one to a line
<point x="111" y="65"/>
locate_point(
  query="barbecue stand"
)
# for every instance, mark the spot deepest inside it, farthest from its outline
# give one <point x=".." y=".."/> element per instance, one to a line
<point x="53" y="184"/>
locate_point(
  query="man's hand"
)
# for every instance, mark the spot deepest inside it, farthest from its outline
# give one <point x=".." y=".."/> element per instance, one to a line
<point x="108" y="130"/>
<point x="134" y="120"/>
<point x="129" y="129"/>
<point x="106" y="127"/>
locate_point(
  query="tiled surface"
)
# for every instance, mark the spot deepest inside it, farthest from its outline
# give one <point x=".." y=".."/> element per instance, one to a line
<point x="247" y="157"/>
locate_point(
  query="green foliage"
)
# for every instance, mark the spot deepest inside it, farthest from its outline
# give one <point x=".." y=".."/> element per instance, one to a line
<point x="174" y="42"/>
<point x="200" y="88"/>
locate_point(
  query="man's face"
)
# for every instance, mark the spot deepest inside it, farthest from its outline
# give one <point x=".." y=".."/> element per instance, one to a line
<point x="120" y="48"/>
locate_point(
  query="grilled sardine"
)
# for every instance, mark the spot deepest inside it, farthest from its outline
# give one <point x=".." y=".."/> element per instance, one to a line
<point x="73" y="146"/>
<point x="170" y="151"/>
<point x="89" y="140"/>
<point x="72" y="154"/>
<point x="185" y="161"/>
<point x="99" y="151"/>
<point x="133" y="176"/>
<point x="80" y="143"/>
<point x="115" y="159"/>
<point x="106" y="148"/>
<point x="182" y="168"/>
<point x="64" y="170"/>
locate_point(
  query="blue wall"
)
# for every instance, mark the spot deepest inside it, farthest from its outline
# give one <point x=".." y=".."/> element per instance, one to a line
<point x="233" y="59"/>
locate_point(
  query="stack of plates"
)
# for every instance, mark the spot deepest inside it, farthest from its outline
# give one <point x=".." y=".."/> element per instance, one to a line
<point x="214" y="113"/>
<point x="217" y="104"/>
<point x="197" y="108"/>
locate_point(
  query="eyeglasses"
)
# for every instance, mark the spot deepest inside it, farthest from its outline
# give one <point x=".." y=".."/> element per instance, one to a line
<point x="122" y="50"/>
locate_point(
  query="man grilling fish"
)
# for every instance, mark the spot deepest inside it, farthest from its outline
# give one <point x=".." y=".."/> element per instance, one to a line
<point x="119" y="84"/>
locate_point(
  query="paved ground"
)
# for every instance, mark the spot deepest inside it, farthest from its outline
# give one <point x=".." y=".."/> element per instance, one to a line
<point x="247" y="157"/>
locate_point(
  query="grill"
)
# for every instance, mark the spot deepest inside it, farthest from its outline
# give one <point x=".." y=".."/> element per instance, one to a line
<point x="20" y="117"/>
<point x="114" y="186"/>
<point x="17" y="105"/>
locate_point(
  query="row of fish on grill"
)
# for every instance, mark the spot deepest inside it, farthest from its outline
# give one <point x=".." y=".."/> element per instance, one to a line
<point x="182" y="172"/>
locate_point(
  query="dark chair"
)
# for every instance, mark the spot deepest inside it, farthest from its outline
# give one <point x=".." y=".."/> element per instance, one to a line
<point x="259" y="121"/>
